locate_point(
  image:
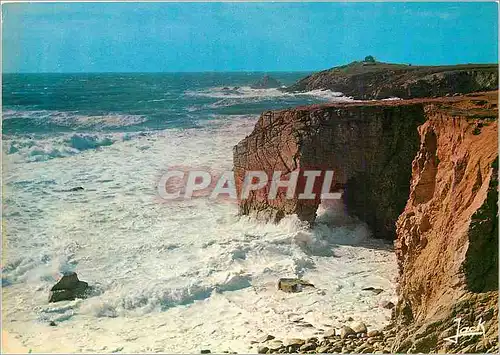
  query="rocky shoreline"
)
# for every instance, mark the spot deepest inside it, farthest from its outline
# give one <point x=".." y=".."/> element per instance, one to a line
<point x="355" y="338"/>
<point x="352" y="338"/>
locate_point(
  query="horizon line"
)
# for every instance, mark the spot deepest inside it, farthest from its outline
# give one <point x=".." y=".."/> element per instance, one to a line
<point x="170" y="72"/>
<point x="244" y="71"/>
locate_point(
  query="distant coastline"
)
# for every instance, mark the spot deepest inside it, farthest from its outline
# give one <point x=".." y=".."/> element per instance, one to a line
<point x="368" y="80"/>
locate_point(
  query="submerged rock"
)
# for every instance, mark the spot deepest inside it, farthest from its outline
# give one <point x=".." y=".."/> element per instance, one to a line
<point x="78" y="188"/>
<point x="267" y="82"/>
<point x="68" y="288"/>
<point x="292" y="285"/>
<point x="265" y="338"/>
<point x="374" y="290"/>
<point x="73" y="189"/>
<point x="387" y="305"/>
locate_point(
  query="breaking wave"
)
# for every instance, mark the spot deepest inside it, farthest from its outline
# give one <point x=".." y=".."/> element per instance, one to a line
<point x="31" y="149"/>
<point x="182" y="269"/>
<point x="74" y="120"/>
<point x="246" y="92"/>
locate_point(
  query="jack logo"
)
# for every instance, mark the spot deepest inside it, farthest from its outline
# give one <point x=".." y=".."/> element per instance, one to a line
<point x="466" y="331"/>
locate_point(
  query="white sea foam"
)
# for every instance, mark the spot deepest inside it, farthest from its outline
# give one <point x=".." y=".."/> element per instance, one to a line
<point x="75" y="119"/>
<point x="172" y="277"/>
<point x="30" y="148"/>
<point x="392" y="99"/>
<point x="246" y="92"/>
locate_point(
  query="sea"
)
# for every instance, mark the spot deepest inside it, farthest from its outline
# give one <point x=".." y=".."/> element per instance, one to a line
<point x="175" y="277"/>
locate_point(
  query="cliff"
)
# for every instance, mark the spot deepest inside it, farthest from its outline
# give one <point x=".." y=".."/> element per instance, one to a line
<point x="370" y="148"/>
<point x="447" y="236"/>
<point x="421" y="171"/>
<point x="378" y="80"/>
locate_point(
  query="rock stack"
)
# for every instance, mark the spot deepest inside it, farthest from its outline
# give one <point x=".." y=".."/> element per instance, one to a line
<point x="68" y="288"/>
<point x="266" y="82"/>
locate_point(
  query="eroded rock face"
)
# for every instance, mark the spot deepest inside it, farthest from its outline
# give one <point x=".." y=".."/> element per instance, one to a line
<point x="369" y="147"/>
<point x="447" y="236"/>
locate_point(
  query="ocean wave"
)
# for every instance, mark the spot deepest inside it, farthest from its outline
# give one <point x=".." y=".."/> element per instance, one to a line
<point x="33" y="149"/>
<point x="327" y="94"/>
<point x="195" y="261"/>
<point x="74" y="119"/>
<point x="228" y="123"/>
<point x="246" y="92"/>
<point x="158" y="296"/>
<point x="392" y="99"/>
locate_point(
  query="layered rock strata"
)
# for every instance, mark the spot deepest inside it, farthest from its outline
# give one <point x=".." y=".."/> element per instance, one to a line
<point x="447" y="236"/>
<point x="369" y="147"/>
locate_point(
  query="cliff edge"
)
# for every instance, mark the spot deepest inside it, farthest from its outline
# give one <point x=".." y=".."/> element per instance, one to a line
<point x="369" y="147"/>
<point x="377" y="80"/>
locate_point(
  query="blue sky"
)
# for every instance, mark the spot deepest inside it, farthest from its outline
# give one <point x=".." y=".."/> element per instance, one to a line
<point x="155" y="37"/>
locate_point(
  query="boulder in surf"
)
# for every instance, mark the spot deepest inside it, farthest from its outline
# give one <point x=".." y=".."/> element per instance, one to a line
<point x="292" y="285"/>
<point x="68" y="288"/>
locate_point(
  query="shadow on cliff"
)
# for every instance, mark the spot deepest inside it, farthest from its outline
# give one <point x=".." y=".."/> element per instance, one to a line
<point x="481" y="266"/>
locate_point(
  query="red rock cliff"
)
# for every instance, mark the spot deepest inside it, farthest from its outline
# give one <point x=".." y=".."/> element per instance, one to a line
<point x="369" y="147"/>
<point x="422" y="171"/>
<point x="447" y="236"/>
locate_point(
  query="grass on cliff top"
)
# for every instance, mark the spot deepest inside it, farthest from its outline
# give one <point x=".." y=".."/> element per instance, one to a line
<point x="356" y="68"/>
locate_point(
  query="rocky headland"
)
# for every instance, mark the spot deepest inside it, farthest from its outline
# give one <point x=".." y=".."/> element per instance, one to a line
<point x="422" y="172"/>
<point x="378" y="80"/>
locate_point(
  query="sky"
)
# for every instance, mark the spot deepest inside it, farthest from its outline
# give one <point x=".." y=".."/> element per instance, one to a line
<point x="197" y="37"/>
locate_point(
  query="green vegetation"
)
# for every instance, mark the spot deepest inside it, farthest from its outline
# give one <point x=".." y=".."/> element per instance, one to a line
<point x="363" y="67"/>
